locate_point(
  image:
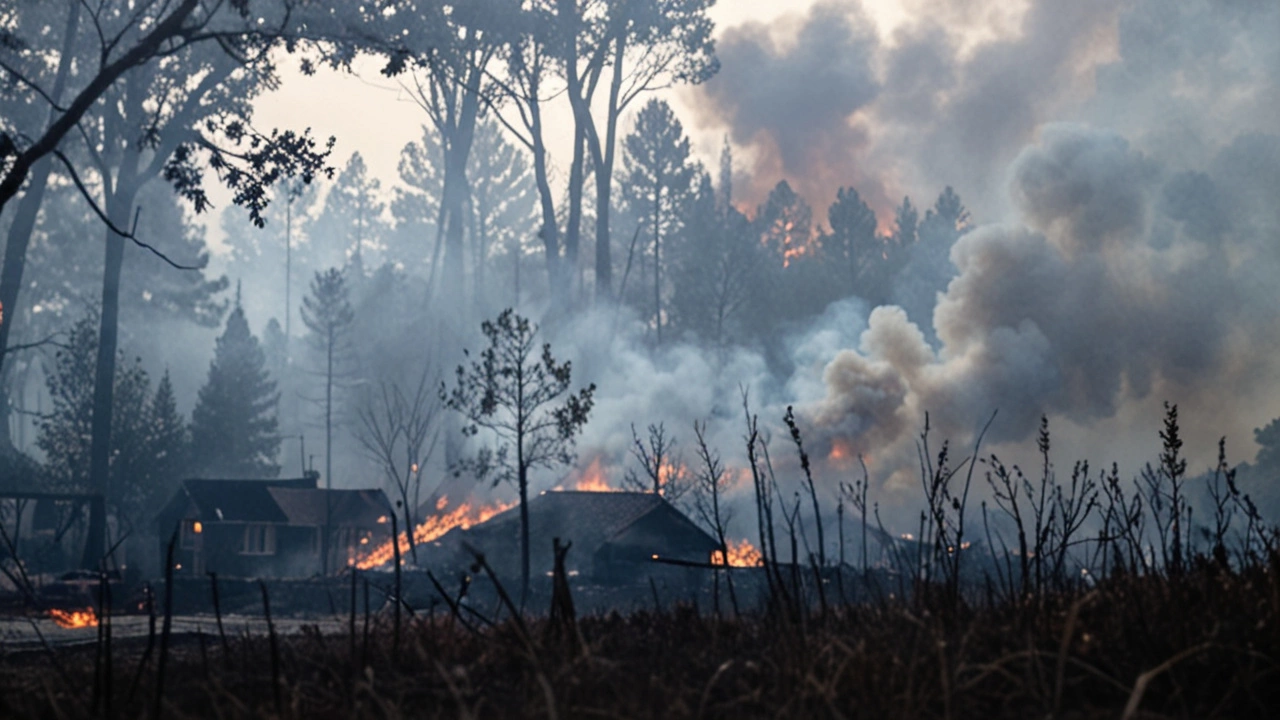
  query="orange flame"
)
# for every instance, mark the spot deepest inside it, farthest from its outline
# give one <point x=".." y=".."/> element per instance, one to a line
<point x="593" y="479"/>
<point x="464" y="516"/>
<point x="75" y="618"/>
<point x="741" y="554"/>
<point x="670" y="472"/>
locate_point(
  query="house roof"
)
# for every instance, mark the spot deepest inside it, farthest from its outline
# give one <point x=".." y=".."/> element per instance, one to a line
<point x="587" y="519"/>
<point x="359" y="508"/>
<point x="234" y="500"/>
<point x="290" y="501"/>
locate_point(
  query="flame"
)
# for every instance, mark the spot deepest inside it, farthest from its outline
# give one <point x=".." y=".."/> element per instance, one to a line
<point x="842" y="455"/>
<point x="464" y="516"/>
<point x="593" y="479"/>
<point x="670" y="472"/>
<point x="75" y="618"/>
<point x="442" y="503"/>
<point x="741" y="554"/>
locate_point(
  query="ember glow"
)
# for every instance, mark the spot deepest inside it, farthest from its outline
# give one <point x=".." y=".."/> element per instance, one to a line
<point x="841" y="455"/>
<point x="741" y="554"/>
<point x="464" y="516"/>
<point x="74" y="618"/>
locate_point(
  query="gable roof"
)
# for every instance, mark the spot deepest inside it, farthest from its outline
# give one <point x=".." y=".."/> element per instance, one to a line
<point x="360" y="508"/>
<point x="587" y="519"/>
<point x="295" y="501"/>
<point x="234" y="500"/>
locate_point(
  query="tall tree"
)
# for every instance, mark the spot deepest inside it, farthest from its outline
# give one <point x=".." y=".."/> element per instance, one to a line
<point x="659" y="183"/>
<point x="350" y="223"/>
<point x="513" y="393"/>
<point x="168" y="447"/>
<point x="645" y="46"/>
<point x="234" y="424"/>
<point x="503" y="205"/>
<point x="267" y="258"/>
<point x="523" y="91"/>
<point x="157" y="75"/>
<point x="928" y="267"/>
<point x="716" y="259"/>
<point x="20" y="229"/>
<point x="327" y="313"/>
<point x="64" y="434"/>
<point x="451" y="84"/>
<point x="853" y="240"/>
<point x="501" y="198"/>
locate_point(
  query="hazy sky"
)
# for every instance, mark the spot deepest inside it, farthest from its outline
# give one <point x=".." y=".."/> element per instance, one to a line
<point x="374" y="115"/>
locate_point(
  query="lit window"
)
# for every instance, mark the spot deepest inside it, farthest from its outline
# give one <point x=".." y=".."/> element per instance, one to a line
<point x="191" y="529"/>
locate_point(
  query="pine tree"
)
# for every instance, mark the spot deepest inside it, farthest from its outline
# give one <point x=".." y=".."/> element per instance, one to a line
<point x="233" y="425"/>
<point x="168" y="447"/>
<point x="351" y="222"/>
<point x="64" y="434"/>
<point x="853" y="238"/>
<point x="659" y="183"/>
<point x="327" y="312"/>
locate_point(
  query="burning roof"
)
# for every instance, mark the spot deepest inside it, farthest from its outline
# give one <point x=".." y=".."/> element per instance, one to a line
<point x="633" y="525"/>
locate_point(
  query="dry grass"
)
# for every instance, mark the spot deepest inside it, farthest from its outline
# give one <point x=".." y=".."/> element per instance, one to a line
<point x="1205" y="644"/>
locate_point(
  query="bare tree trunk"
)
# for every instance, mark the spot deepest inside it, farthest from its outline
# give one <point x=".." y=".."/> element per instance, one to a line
<point x="24" y="221"/>
<point x="119" y="203"/>
<point x="604" y="182"/>
<point x="328" y="455"/>
<point x="657" y="259"/>
<point x="573" y="228"/>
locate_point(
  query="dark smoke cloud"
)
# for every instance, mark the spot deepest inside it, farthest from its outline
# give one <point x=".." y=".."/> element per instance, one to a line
<point x="794" y="102"/>
<point x="1101" y="293"/>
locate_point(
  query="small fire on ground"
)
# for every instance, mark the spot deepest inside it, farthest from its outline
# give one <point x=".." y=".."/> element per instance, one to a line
<point x="464" y="516"/>
<point x="741" y="554"/>
<point x="74" y="618"/>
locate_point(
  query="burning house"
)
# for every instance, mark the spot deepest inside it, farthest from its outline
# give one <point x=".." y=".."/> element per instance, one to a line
<point x="270" y="528"/>
<point x="616" y="535"/>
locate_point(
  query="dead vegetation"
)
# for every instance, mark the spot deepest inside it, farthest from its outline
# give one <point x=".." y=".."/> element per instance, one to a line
<point x="1155" y="627"/>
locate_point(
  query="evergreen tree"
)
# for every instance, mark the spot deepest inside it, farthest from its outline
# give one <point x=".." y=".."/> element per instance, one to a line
<point x="504" y="208"/>
<point x="234" y="424"/>
<point x="328" y="314"/>
<point x="351" y="222"/>
<point x="928" y="268"/>
<point x="659" y="181"/>
<point x="715" y="261"/>
<point x="854" y="242"/>
<point x="168" y="447"/>
<point x="65" y="432"/>
<point x="783" y="278"/>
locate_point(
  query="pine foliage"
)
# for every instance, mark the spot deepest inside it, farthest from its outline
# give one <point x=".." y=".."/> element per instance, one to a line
<point x="233" y="425"/>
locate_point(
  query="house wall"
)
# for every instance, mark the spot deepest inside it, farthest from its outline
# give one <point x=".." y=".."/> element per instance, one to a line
<point x="220" y="548"/>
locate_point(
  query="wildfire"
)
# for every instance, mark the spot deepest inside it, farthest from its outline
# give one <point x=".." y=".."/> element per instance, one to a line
<point x="841" y="455"/>
<point x="669" y="473"/>
<point x="464" y="516"/>
<point x="74" y="618"/>
<point x="741" y="554"/>
<point x="593" y="479"/>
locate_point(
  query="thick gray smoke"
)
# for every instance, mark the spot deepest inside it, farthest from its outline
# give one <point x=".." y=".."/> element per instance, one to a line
<point x="793" y="103"/>
<point x="1109" y="287"/>
<point x="1121" y="163"/>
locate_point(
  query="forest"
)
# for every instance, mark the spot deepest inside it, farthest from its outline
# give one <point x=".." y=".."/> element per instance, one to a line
<point x="821" y="282"/>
